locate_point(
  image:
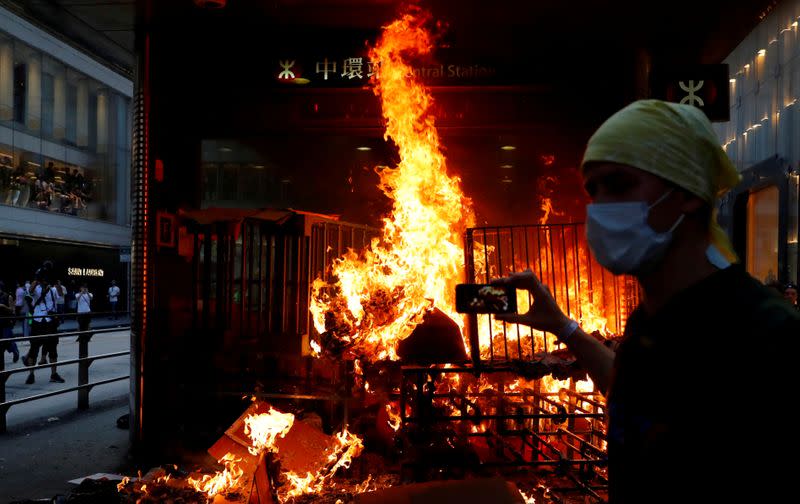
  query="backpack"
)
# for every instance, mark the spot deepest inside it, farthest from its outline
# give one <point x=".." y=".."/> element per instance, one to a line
<point x="52" y="315"/>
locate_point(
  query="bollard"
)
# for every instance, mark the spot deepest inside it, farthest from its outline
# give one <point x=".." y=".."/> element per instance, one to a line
<point x="83" y="371"/>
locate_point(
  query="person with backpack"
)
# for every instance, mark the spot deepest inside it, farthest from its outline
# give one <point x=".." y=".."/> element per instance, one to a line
<point x="44" y="322"/>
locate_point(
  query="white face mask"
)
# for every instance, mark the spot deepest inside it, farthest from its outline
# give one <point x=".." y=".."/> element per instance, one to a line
<point x="621" y="239"/>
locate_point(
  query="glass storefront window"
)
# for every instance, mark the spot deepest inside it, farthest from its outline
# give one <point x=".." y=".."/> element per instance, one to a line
<point x="64" y="138"/>
<point x="27" y="87"/>
<point x="54" y="98"/>
<point x="6" y="79"/>
<point x="762" y="234"/>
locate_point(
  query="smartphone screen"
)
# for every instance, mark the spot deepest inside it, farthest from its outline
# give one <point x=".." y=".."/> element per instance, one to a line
<point x="485" y="298"/>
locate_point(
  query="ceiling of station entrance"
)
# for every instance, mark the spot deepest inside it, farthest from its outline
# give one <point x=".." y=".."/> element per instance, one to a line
<point x="711" y="26"/>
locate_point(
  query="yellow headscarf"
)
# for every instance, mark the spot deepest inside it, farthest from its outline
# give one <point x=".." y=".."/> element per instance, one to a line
<point x="675" y="142"/>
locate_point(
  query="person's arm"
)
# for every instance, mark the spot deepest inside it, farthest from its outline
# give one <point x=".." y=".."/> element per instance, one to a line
<point x="546" y="315"/>
<point x="593" y="355"/>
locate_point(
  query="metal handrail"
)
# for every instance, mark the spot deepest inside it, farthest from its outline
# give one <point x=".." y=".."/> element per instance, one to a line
<point x="68" y="333"/>
<point x="64" y="315"/>
<point x="83" y="361"/>
<point x="8" y="372"/>
<point x="86" y="386"/>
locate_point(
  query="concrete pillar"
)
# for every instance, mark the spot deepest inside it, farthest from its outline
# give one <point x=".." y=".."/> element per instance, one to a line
<point x="60" y="105"/>
<point x="6" y="81"/>
<point x="82" y="130"/>
<point x="103" y="104"/>
<point x="33" y="94"/>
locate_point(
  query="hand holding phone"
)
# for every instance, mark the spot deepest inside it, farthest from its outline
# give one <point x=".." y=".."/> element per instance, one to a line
<point x="486" y="298"/>
<point x="545" y="314"/>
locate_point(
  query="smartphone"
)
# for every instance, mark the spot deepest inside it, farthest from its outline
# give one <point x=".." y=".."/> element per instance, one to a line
<point x="485" y="298"/>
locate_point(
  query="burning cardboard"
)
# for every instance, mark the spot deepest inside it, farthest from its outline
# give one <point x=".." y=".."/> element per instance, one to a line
<point x="301" y="450"/>
<point x="267" y="457"/>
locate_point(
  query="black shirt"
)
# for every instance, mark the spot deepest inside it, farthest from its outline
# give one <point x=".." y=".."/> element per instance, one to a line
<point x="699" y="403"/>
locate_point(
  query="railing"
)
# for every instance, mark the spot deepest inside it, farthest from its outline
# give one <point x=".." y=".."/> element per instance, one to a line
<point x="560" y="256"/>
<point x="84" y="361"/>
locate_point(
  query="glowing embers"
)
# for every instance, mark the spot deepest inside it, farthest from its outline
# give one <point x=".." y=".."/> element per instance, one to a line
<point x="381" y="294"/>
<point x="265" y="455"/>
<point x="498" y="420"/>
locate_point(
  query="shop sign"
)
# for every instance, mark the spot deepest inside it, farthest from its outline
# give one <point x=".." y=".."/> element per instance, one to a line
<point x="89" y="272"/>
<point x="706" y="87"/>
<point x="350" y="70"/>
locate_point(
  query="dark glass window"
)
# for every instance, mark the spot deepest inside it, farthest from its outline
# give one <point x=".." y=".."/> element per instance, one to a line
<point x="93" y="122"/>
<point x="20" y="80"/>
<point x="48" y="104"/>
<point x="72" y="114"/>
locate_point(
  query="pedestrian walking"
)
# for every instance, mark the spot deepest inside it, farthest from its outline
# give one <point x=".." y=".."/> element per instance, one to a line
<point x="113" y="298"/>
<point x="27" y="310"/>
<point x="44" y="322"/>
<point x="84" y="304"/>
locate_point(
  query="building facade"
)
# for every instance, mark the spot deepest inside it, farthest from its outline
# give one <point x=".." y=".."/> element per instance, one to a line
<point x="65" y="153"/>
<point x="762" y="139"/>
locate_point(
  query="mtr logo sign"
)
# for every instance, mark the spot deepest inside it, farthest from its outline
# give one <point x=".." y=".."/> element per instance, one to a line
<point x="707" y="87"/>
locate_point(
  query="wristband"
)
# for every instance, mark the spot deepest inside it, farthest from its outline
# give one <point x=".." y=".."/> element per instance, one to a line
<point x="567" y="331"/>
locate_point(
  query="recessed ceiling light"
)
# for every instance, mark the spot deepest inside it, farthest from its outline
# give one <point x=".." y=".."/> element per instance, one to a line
<point x="506" y="166"/>
<point x="508" y="147"/>
<point x="225" y="149"/>
<point x="363" y="148"/>
<point x="258" y="166"/>
<point x="506" y="180"/>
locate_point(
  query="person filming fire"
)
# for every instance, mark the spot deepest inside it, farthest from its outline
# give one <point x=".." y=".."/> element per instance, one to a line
<point x="697" y="389"/>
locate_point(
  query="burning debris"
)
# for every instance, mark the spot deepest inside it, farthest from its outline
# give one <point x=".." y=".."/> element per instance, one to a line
<point x="396" y="300"/>
<point x="382" y="294"/>
<point x="266" y="456"/>
<point x="523" y="401"/>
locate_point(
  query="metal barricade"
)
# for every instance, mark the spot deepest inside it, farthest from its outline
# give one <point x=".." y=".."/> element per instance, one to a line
<point x="84" y="361"/>
<point x="559" y="255"/>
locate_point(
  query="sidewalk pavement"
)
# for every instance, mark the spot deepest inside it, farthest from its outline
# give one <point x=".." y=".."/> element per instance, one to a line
<point x="44" y="451"/>
<point x="38" y="461"/>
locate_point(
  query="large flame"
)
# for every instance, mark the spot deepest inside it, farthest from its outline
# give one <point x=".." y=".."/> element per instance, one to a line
<point x="380" y="296"/>
<point x="265" y="428"/>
